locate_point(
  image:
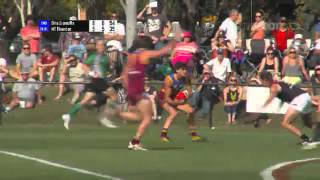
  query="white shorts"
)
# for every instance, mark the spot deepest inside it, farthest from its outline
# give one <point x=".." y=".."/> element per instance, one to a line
<point x="302" y="103"/>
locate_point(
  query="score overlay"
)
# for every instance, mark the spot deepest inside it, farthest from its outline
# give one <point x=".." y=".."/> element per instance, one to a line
<point x="105" y="26"/>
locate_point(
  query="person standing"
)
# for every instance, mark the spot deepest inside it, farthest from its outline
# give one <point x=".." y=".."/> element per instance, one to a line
<point x="229" y="26"/>
<point x="258" y="27"/>
<point x="31" y="34"/>
<point x="282" y="34"/>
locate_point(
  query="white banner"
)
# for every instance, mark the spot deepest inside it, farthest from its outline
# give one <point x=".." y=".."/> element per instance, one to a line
<point x="257" y="96"/>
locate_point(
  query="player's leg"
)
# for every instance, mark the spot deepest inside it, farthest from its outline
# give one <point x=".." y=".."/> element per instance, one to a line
<point x="172" y="114"/>
<point x="190" y="120"/>
<point x="76" y="107"/>
<point x="145" y="109"/>
<point x="286" y="123"/>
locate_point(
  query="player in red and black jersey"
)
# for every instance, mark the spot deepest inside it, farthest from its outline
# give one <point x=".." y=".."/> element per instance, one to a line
<point x="173" y="98"/>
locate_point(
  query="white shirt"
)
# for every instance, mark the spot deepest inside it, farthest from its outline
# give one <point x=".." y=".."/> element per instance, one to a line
<point x="231" y="30"/>
<point x="220" y="70"/>
<point x="119" y="29"/>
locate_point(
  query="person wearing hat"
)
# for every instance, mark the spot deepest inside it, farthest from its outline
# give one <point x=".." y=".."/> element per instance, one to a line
<point x="300" y="44"/>
<point x="25" y="94"/>
<point x="72" y="71"/>
<point x="185" y="50"/>
<point x="77" y="48"/>
<point x="158" y="26"/>
<point x="282" y="34"/>
<point x="220" y="66"/>
<point x="315" y="56"/>
<point x="173" y="98"/>
<point x="223" y="43"/>
<point x="48" y="63"/>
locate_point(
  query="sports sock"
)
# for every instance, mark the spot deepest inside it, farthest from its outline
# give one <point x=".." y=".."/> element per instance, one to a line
<point x="304" y="137"/>
<point x="135" y="141"/>
<point x="164" y="132"/>
<point x="316" y="132"/>
<point x="193" y="133"/>
<point x="74" y="109"/>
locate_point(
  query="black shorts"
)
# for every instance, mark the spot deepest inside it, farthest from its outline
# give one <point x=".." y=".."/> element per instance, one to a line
<point x="97" y="85"/>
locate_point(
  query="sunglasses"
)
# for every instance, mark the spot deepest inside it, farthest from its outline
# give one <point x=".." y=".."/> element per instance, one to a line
<point x="26" y="47"/>
<point x="282" y="21"/>
<point x="270" y="53"/>
<point x="258" y="16"/>
<point x="292" y="52"/>
<point x="233" y="80"/>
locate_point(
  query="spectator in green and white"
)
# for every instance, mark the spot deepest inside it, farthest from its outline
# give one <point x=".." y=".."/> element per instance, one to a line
<point x="25" y="94"/>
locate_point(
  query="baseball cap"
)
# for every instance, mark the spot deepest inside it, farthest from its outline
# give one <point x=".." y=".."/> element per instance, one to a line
<point x="24" y="72"/>
<point x="73" y="18"/>
<point x="283" y="19"/>
<point x="77" y="36"/>
<point x="186" y="34"/>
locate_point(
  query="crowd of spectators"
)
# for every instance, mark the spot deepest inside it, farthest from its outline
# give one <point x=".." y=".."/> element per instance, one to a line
<point x="288" y="55"/>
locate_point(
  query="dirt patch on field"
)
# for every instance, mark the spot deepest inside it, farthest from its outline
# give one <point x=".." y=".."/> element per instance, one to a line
<point x="283" y="172"/>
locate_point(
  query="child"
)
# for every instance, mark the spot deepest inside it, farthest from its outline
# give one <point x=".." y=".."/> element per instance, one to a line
<point x="232" y="96"/>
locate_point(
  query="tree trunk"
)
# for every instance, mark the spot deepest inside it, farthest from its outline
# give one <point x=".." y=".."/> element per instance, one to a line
<point x="130" y="8"/>
<point x="29" y="7"/>
<point x="21" y="7"/>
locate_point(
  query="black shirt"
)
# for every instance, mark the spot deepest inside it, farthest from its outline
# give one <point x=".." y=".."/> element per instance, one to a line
<point x="288" y="92"/>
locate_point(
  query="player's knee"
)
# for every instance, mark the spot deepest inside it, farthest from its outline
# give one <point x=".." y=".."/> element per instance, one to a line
<point x="284" y="124"/>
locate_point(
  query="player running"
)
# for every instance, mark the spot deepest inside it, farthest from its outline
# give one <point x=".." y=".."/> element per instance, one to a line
<point x="299" y="104"/>
<point x="173" y="98"/>
<point x="133" y="80"/>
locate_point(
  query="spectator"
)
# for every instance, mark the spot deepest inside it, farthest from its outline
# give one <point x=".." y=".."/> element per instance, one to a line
<point x="300" y="44"/>
<point x="26" y="62"/>
<point x="317" y="29"/>
<point x="3" y="69"/>
<point x="72" y="71"/>
<point x="25" y="94"/>
<point x="115" y="38"/>
<point x="315" y="57"/>
<point x="229" y="26"/>
<point x="48" y="63"/>
<point x="282" y="34"/>
<point x="232" y="95"/>
<point x="258" y="27"/>
<point x="156" y="25"/>
<point x="65" y="39"/>
<point x="184" y="51"/>
<point x="315" y="80"/>
<point x="76" y="48"/>
<point x="31" y="34"/>
<point x="207" y="96"/>
<point x="293" y="68"/>
<point x="98" y="62"/>
<point x="221" y="66"/>
<point x="270" y="63"/>
<point x="223" y="43"/>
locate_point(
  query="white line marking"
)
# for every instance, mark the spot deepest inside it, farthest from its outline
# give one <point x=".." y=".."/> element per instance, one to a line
<point x="267" y="173"/>
<point x="42" y="161"/>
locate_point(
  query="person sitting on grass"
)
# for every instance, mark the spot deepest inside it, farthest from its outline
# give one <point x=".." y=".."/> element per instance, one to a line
<point x="232" y="96"/>
<point x="25" y="94"/>
<point x="48" y="63"/>
<point x="72" y="71"/>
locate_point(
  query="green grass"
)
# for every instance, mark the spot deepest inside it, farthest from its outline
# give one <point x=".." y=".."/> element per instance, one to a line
<point x="232" y="153"/>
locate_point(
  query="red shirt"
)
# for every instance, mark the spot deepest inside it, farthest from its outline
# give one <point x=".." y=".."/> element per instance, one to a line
<point x="281" y="38"/>
<point x="34" y="43"/>
<point x="48" y="59"/>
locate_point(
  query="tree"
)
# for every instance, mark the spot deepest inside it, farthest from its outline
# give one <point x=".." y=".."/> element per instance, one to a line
<point x="130" y="9"/>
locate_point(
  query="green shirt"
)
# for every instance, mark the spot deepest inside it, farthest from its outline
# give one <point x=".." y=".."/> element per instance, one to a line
<point x="98" y="63"/>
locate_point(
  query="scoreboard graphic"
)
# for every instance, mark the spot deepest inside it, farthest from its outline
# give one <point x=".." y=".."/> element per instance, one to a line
<point x="105" y="26"/>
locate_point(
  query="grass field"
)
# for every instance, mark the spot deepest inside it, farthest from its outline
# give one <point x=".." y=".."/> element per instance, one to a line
<point x="239" y="152"/>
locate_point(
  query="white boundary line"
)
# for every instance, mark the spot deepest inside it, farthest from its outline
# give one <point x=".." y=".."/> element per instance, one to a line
<point x="42" y="161"/>
<point x="267" y="173"/>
